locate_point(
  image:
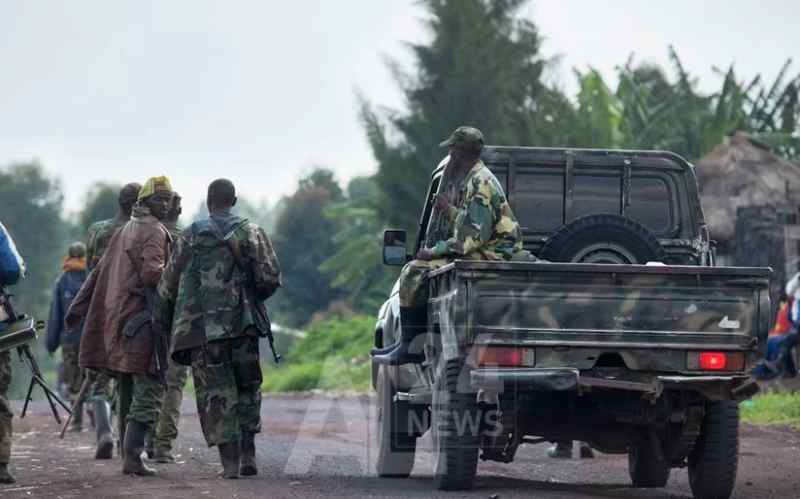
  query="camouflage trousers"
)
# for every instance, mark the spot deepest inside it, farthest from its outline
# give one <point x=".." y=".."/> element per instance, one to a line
<point x="166" y="430"/>
<point x="99" y="386"/>
<point x="139" y="398"/>
<point x="413" y="281"/>
<point x="227" y="383"/>
<point x="73" y="374"/>
<point x="5" y="408"/>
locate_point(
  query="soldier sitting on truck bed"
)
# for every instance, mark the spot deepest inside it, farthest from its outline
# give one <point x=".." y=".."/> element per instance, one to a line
<point x="479" y="226"/>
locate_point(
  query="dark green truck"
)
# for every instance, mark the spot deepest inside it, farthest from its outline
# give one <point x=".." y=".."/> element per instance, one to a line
<point x="622" y="334"/>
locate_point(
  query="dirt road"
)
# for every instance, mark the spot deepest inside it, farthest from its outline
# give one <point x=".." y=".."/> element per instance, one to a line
<point x="317" y="447"/>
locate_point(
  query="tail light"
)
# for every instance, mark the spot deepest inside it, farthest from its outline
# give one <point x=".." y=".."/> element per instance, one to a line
<point x="506" y="356"/>
<point x="715" y="361"/>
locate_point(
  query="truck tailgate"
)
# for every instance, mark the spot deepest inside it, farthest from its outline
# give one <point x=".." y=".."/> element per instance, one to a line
<point x="616" y="306"/>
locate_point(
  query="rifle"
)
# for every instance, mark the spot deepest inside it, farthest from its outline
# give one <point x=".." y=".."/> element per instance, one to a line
<point x="257" y="308"/>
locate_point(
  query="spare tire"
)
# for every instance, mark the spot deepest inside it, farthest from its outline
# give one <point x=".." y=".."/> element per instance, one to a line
<point x="603" y="238"/>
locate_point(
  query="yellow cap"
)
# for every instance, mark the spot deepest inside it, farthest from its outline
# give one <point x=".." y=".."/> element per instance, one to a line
<point x="154" y="184"/>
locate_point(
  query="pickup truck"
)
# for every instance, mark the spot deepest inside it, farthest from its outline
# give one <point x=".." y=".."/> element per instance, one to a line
<point x="617" y="330"/>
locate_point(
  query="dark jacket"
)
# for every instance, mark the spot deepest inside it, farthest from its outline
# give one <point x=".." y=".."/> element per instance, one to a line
<point x="66" y="289"/>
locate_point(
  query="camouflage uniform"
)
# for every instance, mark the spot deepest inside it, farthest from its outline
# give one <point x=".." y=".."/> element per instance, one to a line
<point x="5" y="408"/>
<point x="73" y="374"/>
<point x="99" y="236"/>
<point x="483" y="228"/>
<point x="213" y="328"/>
<point x="166" y="430"/>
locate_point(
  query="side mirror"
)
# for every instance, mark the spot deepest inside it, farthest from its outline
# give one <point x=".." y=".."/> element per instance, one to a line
<point x="394" y="247"/>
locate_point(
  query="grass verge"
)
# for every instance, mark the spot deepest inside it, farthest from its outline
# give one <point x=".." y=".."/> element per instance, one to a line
<point x="773" y="408"/>
<point x="334" y="355"/>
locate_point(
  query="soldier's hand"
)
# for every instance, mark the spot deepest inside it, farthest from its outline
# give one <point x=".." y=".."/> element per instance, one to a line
<point x="425" y="254"/>
<point x="442" y="203"/>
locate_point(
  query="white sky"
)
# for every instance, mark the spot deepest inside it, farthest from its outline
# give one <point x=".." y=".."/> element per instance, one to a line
<point x="261" y="91"/>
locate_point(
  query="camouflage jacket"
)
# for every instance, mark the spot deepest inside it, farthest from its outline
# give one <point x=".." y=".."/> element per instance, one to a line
<point x="99" y="236"/>
<point x="483" y="225"/>
<point x="200" y="297"/>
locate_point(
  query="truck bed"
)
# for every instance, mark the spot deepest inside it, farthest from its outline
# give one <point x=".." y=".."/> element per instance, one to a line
<point x="573" y="313"/>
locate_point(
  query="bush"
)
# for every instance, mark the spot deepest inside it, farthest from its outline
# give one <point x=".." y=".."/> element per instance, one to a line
<point x="334" y="355"/>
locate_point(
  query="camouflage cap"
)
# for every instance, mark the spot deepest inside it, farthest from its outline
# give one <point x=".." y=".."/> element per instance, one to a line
<point x="154" y="184"/>
<point x="77" y="250"/>
<point x="464" y="136"/>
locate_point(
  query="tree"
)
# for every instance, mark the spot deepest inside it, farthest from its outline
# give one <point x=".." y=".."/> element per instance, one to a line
<point x="31" y="211"/>
<point x="303" y="239"/>
<point x="102" y="203"/>
<point x="482" y="68"/>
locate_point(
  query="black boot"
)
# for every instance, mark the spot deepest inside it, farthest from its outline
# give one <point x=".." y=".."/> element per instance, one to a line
<point x="248" y="465"/>
<point x="5" y="475"/>
<point x="413" y="322"/>
<point x="132" y="453"/>
<point x="230" y="455"/>
<point x="105" y="441"/>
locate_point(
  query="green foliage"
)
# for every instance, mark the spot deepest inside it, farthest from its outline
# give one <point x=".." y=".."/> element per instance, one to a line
<point x="32" y="204"/>
<point x="102" y="203"/>
<point x="334" y="355"/>
<point x="773" y="408"/>
<point x="357" y="266"/>
<point x="303" y="239"/>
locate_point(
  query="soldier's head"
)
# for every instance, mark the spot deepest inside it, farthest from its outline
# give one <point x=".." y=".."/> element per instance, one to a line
<point x="465" y="145"/>
<point x="128" y="196"/>
<point x="156" y="194"/>
<point x="175" y="209"/>
<point x="77" y="250"/>
<point x="221" y="195"/>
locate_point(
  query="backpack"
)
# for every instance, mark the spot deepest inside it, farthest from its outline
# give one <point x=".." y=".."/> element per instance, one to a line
<point x="12" y="266"/>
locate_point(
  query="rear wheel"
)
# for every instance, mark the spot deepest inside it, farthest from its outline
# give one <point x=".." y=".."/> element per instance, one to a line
<point x="714" y="460"/>
<point x="646" y="465"/>
<point x="455" y="430"/>
<point x="396" y="449"/>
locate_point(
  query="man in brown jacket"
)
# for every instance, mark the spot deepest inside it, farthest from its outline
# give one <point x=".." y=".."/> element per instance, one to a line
<point x="118" y="336"/>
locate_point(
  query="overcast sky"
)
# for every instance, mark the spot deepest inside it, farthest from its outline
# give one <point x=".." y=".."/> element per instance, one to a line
<point x="261" y="91"/>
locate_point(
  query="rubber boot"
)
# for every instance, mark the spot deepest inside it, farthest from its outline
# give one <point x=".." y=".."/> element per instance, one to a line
<point x="229" y="454"/>
<point x="5" y="475"/>
<point x="413" y="322"/>
<point x="105" y="441"/>
<point x="248" y="465"/>
<point x="77" y="419"/>
<point x="561" y="450"/>
<point x="133" y="447"/>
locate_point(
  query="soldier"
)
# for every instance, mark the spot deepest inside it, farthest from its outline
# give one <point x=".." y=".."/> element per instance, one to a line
<point x="479" y="225"/>
<point x="166" y="430"/>
<point x="100" y="392"/>
<point x="69" y="340"/>
<point x="222" y="269"/>
<point x="118" y="335"/>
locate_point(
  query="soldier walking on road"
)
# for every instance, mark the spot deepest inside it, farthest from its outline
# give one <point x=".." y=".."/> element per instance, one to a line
<point x="119" y="336"/>
<point x="166" y="429"/>
<point x="477" y="225"/>
<point x="222" y="269"/>
<point x="100" y="390"/>
<point x="69" y="340"/>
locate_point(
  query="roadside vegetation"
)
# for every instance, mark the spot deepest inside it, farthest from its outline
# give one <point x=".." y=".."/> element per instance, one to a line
<point x="334" y="355"/>
<point x="773" y="408"/>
